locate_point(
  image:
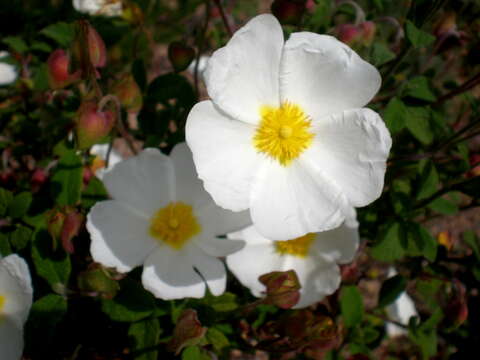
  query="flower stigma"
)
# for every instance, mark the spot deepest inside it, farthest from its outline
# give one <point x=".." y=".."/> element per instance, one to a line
<point x="174" y="225"/>
<point x="296" y="247"/>
<point x="283" y="132"/>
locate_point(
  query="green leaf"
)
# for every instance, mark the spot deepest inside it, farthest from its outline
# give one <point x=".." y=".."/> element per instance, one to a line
<point x="391" y="290"/>
<point x="5" y="248"/>
<point x="132" y="303"/>
<point x="351" y="305"/>
<point x="191" y="353"/>
<point x="395" y="115"/>
<point x="67" y="179"/>
<point x="218" y="340"/>
<point x="419" y="88"/>
<point x="418" y="123"/>
<point x="429" y="179"/>
<point x="16" y="43"/>
<point x="55" y="267"/>
<point x="19" y="205"/>
<point x="225" y="302"/>
<point x="94" y="192"/>
<point x="45" y="314"/>
<point x="381" y="54"/>
<point x="417" y="37"/>
<point x="471" y="239"/>
<point x="61" y="32"/>
<point x="421" y="242"/>
<point x="5" y="199"/>
<point x="20" y="238"/>
<point x="144" y="337"/>
<point x="443" y="206"/>
<point x="425" y="335"/>
<point x="390" y="247"/>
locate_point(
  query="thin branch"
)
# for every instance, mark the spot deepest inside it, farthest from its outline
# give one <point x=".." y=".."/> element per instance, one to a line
<point x="467" y="85"/>
<point x="224" y="17"/>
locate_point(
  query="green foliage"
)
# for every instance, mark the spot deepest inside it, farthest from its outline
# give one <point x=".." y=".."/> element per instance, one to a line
<point x="391" y="290"/>
<point x="67" y="179"/>
<point x="416" y="36"/>
<point x="144" y="336"/>
<point x="351" y="305"/>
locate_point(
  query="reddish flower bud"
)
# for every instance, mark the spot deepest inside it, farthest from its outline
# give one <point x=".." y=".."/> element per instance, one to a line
<point x="128" y="92"/>
<point x="282" y="288"/>
<point x="288" y="12"/>
<point x="96" y="48"/>
<point x="39" y="177"/>
<point x="180" y="55"/>
<point x="350" y="273"/>
<point x="456" y="311"/>
<point x="92" y="125"/>
<point x="475" y="165"/>
<point x="361" y="34"/>
<point x="71" y="227"/>
<point x="55" y="221"/>
<point x="188" y="331"/>
<point x="368" y="31"/>
<point x="58" y="70"/>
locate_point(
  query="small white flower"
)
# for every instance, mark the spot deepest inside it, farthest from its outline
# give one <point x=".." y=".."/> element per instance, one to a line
<point x="15" y="303"/>
<point x="98" y="165"/>
<point x="161" y="217"/>
<point x="8" y="73"/>
<point x="401" y="310"/>
<point x="314" y="257"/>
<point x="99" y="7"/>
<point x="285" y="134"/>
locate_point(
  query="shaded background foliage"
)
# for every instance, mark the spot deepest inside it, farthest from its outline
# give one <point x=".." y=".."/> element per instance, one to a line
<point x="425" y="224"/>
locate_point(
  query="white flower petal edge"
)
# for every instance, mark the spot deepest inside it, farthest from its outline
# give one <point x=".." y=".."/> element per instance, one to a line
<point x="324" y="76"/>
<point x="243" y="75"/>
<point x="8" y="73"/>
<point x="223" y="154"/>
<point x="99" y="7"/>
<point x="318" y="272"/>
<point x="172" y="233"/>
<point x="17" y="293"/>
<point x="101" y="150"/>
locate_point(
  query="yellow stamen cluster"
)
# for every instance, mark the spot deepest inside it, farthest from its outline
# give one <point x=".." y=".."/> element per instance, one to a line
<point x="283" y="133"/>
<point x="174" y="225"/>
<point x="296" y="247"/>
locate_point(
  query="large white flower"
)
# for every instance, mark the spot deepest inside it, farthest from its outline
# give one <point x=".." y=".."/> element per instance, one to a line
<point x="99" y="7"/>
<point x="161" y="217"/>
<point x="8" y="73"/>
<point x="99" y="162"/>
<point x="314" y="257"/>
<point x="285" y="133"/>
<point x="15" y="303"/>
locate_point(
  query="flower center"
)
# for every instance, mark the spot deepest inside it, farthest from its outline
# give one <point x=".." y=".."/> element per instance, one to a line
<point x="97" y="163"/>
<point x="283" y="132"/>
<point x="174" y="224"/>
<point x="2" y="302"/>
<point x="296" y="247"/>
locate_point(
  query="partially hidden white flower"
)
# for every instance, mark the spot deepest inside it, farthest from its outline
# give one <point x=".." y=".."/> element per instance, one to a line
<point x="285" y="133"/>
<point x="401" y="310"/>
<point x="160" y="216"/>
<point x="99" y="162"/>
<point x="15" y="302"/>
<point x="202" y="65"/>
<point x="99" y="7"/>
<point x="8" y="73"/>
<point x="314" y="257"/>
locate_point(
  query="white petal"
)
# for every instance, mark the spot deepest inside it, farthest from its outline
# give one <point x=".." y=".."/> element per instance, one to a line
<point x="250" y="235"/>
<point x="351" y="149"/>
<point x="11" y="339"/>
<point x="219" y="221"/>
<point x="119" y="235"/>
<point x="189" y="187"/>
<point x="288" y="202"/>
<point x="218" y="247"/>
<point x="317" y="277"/>
<point x="224" y="155"/>
<point x="212" y="271"/>
<point x="243" y="75"/>
<point x="144" y="182"/>
<point x="16" y="288"/>
<point x="101" y="150"/>
<point x="169" y="275"/>
<point x="325" y="76"/>
<point x="338" y="245"/>
<point x="8" y="74"/>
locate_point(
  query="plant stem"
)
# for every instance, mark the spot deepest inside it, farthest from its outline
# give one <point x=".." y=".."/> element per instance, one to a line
<point x="467" y="85"/>
<point x="224" y="17"/>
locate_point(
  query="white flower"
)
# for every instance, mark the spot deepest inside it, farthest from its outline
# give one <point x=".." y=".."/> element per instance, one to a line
<point x="98" y="165"/>
<point x="15" y="303"/>
<point x="99" y="7"/>
<point x="401" y="310"/>
<point x="314" y="258"/>
<point x="285" y="134"/>
<point x="8" y="73"/>
<point x="202" y="65"/>
<point x="161" y="217"/>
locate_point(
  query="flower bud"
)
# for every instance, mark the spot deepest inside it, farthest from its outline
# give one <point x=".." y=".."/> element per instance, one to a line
<point x="188" y="331"/>
<point x="92" y="125"/>
<point x="39" y="177"/>
<point x="180" y="55"/>
<point x="368" y="31"/>
<point x="288" y="12"/>
<point x="282" y="288"/>
<point x="361" y="34"/>
<point x="58" y="64"/>
<point x="446" y="25"/>
<point x="456" y="311"/>
<point x="129" y="94"/>
<point x="96" y="48"/>
<point x="55" y="221"/>
<point x="98" y="281"/>
<point x="71" y="227"/>
<point x="475" y="165"/>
